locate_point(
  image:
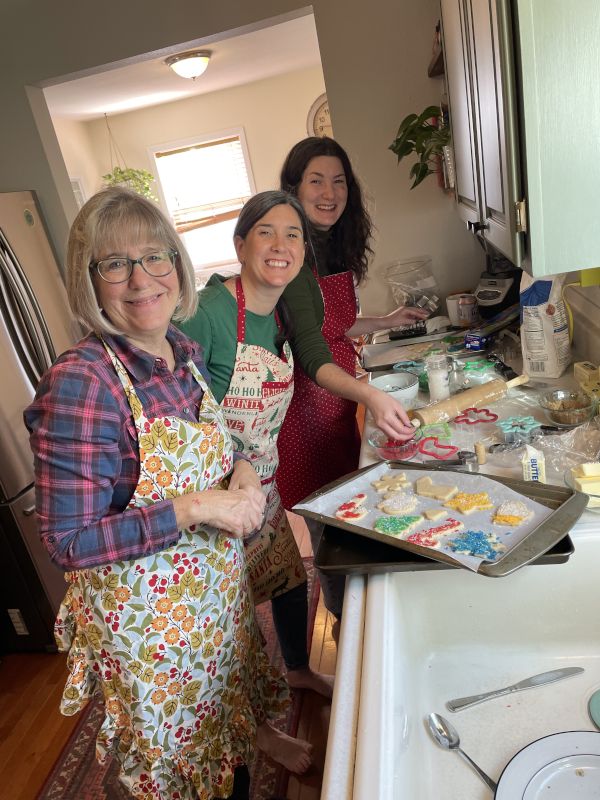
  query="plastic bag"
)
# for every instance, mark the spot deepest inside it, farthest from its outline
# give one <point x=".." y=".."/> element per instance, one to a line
<point x="545" y="340"/>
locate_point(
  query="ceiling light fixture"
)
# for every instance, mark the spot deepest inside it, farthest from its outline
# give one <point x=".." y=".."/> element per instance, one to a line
<point x="189" y="65"/>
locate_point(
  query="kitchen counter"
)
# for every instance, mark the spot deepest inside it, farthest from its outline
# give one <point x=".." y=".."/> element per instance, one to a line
<point x="411" y="641"/>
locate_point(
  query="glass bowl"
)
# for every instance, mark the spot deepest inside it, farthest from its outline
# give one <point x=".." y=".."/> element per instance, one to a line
<point x="401" y="385"/>
<point x="391" y="450"/>
<point x="567" y="409"/>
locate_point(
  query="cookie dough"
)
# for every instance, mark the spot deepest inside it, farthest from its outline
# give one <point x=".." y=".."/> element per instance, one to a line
<point x="434" y="513"/>
<point x="426" y="488"/>
<point x="390" y="482"/>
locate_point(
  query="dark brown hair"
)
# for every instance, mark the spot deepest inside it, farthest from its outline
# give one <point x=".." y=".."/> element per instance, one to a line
<point x="351" y="234"/>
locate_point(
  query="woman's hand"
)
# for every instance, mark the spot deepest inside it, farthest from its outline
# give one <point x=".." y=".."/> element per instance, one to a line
<point x="404" y="315"/>
<point x="238" y="512"/>
<point x="389" y="415"/>
<point x="244" y="476"/>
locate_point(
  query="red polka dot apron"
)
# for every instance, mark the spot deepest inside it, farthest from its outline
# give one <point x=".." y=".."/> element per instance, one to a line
<point x="319" y="440"/>
<point x="254" y="407"/>
<point x="171" y="639"/>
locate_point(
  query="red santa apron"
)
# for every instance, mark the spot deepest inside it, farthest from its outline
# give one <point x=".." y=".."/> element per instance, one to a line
<point x="319" y="440"/>
<point x="254" y="407"/>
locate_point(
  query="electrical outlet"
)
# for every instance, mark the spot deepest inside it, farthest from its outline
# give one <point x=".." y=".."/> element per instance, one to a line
<point x="590" y="277"/>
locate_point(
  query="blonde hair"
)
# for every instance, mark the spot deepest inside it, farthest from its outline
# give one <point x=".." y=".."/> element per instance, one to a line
<point x="110" y="219"/>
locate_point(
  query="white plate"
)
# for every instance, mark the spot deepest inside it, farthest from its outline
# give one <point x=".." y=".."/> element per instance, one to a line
<point x="563" y="766"/>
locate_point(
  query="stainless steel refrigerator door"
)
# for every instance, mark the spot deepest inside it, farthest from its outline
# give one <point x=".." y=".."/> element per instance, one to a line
<point x="52" y="579"/>
<point x="35" y="326"/>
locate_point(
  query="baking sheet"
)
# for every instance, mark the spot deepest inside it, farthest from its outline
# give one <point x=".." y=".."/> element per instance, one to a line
<point x="324" y="504"/>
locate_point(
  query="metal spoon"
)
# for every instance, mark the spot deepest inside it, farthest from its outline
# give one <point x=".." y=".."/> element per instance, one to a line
<point x="447" y="737"/>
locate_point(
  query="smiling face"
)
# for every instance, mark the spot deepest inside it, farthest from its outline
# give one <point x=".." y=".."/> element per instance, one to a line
<point x="323" y="191"/>
<point x="273" y="251"/>
<point x="141" y="306"/>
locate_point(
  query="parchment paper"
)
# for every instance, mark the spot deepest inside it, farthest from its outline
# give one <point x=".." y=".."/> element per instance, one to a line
<point x="327" y="504"/>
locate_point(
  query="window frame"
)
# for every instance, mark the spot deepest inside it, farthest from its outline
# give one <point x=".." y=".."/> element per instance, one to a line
<point x="202" y="272"/>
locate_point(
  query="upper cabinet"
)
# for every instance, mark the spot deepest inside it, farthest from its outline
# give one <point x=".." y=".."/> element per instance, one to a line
<point x="525" y="114"/>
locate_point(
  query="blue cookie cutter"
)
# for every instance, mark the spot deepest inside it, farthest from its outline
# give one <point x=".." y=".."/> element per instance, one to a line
<point x="519" y="429"/>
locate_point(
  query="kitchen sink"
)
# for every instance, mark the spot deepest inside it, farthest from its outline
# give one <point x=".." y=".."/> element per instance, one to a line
<point x="433" y="636"/>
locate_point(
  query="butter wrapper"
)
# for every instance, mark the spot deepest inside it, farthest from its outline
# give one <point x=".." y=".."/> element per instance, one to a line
<point x="534" y="465"/>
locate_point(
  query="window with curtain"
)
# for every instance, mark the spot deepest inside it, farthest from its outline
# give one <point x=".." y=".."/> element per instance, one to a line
<point x="204" y="184"/>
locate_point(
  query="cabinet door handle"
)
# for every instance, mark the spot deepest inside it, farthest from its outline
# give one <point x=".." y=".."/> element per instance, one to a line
<point x="475" y="227"/>
<point x="27" y="512"/>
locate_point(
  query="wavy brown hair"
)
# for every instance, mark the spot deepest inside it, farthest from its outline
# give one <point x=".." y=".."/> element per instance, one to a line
<point x="352" y="233"/>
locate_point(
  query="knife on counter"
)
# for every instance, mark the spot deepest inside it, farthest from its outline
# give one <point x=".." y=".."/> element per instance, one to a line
<point x="529" y="683"/>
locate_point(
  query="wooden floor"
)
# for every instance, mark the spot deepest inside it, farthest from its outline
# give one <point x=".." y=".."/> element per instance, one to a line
<point x="33" y="732"/>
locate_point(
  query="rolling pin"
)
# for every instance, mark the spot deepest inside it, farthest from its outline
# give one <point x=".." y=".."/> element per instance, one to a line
<point x="470" y="398"/>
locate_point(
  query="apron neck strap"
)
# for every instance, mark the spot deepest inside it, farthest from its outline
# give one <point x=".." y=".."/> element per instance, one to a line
<point x="241" y="311"/>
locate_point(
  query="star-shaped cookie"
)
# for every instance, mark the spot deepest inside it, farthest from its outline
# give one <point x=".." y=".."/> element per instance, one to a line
<point x="390" y="482"/>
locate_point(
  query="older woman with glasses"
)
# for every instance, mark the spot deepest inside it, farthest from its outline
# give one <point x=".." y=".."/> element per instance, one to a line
<point x="141" y="499"/>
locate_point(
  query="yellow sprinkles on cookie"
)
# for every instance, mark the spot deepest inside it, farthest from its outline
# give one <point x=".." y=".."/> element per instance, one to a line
<point x="512" y="513"/>
<point x="467" y="503"/>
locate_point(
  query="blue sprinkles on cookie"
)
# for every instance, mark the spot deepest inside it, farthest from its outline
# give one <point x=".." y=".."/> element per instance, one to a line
<point x="477" y="543"/>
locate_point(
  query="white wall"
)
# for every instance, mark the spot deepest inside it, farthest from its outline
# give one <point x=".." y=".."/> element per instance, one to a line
<point x="79" y="153"/>
<point x="374" y="54"/>
<point x="271" y="111"/>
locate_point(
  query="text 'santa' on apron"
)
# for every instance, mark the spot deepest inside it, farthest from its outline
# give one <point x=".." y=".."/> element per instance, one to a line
<point x="254" y="407"/>
<point x="171" y="639"/>
<point x="319" y="440"/>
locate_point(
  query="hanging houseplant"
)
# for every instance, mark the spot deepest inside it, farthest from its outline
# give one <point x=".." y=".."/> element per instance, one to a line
<point x="425" y="135"/>
<point x="138" y="180"/>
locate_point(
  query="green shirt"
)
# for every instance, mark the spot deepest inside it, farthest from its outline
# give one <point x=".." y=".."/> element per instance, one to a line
<point x="305" y="302"/>
<point x="215" y="328"/>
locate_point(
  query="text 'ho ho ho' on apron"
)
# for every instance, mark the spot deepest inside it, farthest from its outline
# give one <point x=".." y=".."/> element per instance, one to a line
<point x="254" y="407"/>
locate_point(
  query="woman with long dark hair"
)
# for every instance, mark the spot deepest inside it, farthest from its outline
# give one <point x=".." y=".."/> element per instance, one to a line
<point x="319" y="440"/>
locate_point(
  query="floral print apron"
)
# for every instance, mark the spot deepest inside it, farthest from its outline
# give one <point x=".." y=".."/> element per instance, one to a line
<point x="254" y="407"/>
<point x="319" y="440"/>
<point x="171" y="638"/>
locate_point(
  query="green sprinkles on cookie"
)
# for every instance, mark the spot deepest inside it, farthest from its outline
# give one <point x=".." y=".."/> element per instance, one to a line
<point x="396" y="526"/>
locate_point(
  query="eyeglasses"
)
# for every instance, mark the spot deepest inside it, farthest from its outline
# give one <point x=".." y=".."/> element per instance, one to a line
<point x="118" y="269"/>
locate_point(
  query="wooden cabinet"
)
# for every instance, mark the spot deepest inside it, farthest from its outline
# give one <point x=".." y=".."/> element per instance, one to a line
<point x="525" y="114"/>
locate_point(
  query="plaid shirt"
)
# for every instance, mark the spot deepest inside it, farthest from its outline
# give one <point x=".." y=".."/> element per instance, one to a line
<point x="86" y="451"/>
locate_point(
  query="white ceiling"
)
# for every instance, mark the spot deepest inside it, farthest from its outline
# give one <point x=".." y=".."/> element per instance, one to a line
<point x="281" y="48"/>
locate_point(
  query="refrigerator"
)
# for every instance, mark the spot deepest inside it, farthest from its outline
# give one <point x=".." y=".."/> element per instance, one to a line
<point x="36" y="325"/>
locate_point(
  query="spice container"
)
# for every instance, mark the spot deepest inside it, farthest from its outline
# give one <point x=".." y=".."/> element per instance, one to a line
<point x="436" y="367"/>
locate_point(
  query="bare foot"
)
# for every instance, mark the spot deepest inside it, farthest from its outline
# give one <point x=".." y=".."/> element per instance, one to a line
<point x="293" y="754"/>
<point x="305" y="678"/>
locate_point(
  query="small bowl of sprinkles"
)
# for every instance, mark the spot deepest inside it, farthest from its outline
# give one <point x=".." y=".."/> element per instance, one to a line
<point x="389" y="449"/>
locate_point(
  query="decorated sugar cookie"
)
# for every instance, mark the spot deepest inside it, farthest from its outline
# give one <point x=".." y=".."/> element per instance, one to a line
<point x="449" y="526"/>
<point x="477" y="543"/>
<point x="468" y="503"/>
<point x="511" y="512"/>
<point x="396" y="526"/>
<point x="398" y="503"/>
<point x="353" y="510"/>
<point x="390" y="482"/>
<point x="426" y="487"/>
<point x="423" y="539"/>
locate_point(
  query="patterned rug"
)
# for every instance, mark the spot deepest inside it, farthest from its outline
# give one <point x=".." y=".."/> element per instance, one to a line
<point x="78" y="776"/>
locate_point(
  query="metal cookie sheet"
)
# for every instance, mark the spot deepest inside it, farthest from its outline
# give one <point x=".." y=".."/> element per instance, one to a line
<point x="560" y="509"/>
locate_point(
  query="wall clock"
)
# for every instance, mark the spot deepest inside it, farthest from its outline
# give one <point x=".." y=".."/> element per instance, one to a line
<point x="318" y="122"/>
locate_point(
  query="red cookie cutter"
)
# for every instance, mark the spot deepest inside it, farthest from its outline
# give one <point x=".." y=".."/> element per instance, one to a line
<point x="437" y="449"/>
<point x="471" y="416"/>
